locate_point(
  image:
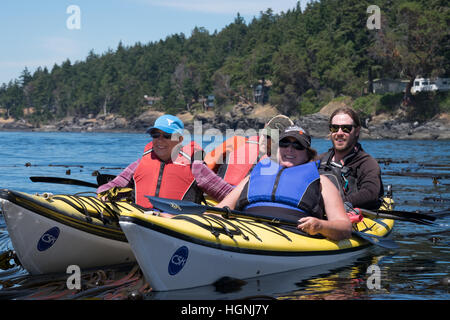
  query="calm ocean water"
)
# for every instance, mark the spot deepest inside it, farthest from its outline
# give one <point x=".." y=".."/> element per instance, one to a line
<point x="419" y="269"/>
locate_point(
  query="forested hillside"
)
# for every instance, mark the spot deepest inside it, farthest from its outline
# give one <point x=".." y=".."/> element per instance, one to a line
<point x="309" y="56"/>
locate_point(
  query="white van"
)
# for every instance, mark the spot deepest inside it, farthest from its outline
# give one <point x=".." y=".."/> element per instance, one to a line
<point x="430" y="84"/>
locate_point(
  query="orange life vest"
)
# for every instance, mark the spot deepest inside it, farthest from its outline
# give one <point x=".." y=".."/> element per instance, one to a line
<point x="240" y="154"/>
<point x="217" y="157"/>
<point x="173" y="180"/>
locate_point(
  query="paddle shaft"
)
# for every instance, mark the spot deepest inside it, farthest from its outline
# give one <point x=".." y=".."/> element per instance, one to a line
<point x="101" y="179"/>
<point x="64" y="181"/>
<point x="374" y="239"/>
<point x="378" y="215"/>
<point x="227" y="213"/>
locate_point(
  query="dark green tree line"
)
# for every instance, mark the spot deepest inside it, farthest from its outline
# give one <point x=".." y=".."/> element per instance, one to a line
<point x="310" y="56"/>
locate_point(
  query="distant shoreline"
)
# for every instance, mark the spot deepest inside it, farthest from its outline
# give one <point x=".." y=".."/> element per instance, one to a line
<point x="431" y="130"/>
<point x="379" y="127"/>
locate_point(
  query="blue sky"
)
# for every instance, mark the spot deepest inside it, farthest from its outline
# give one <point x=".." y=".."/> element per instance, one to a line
<point x="35" y="33"/>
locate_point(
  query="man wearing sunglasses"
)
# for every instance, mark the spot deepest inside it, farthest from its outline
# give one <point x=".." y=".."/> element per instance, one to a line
<point x="164" y="169"/>
<point x="356" y="174"/>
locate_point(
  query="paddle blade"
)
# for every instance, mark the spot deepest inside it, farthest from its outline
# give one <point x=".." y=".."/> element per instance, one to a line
<point x="176" y="206"/>
<point x="376" y="240"/>
<point x="442" y="213"/>
<point x="408" y="215"/>
<point x="378" y="215"/>
<point x="104" y="178"/>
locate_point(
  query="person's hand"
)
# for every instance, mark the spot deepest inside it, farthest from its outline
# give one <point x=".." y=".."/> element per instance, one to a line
<point x="161" y="214"/>
<point x="166" y="215"/>
<point x="310" y="225"/>
<point x="102" y="197"/>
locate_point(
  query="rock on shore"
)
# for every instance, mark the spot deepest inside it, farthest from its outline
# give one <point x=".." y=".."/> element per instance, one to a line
<point x="437" y="128"/>
<point x="245" y="117"/>
<point x="383" y="126"/>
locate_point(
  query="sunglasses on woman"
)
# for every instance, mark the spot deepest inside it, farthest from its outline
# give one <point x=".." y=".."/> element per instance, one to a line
<point x="295" y="144"/>
<point x="156" y="135"/>
<point x="346" y="128"/>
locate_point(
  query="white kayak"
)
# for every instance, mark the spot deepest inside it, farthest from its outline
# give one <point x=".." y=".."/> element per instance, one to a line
<point x="51" y="233"/>
<point x="192" y="250"/>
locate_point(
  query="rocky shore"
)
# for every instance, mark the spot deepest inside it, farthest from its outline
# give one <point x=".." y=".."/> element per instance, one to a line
<point x="437" y="128"/>
<point x="383" y="126"/>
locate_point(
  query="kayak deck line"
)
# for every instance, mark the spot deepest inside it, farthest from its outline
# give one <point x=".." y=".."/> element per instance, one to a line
<point x="238" y="242"/>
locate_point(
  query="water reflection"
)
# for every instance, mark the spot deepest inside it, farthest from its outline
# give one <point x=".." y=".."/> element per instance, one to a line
<point x="346" y="280"/>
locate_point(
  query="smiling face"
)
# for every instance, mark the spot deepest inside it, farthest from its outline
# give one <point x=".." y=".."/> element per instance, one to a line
<point x="343" y="142"/>
<point x="290" y="157"/>
<point x="164" y="147"/>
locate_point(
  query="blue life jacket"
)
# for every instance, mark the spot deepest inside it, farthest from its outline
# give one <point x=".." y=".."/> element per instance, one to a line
<point x="293" y="191"/>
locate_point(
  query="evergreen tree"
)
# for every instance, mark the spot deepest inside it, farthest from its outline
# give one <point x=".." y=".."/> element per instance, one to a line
<point x="310" y="56"/>
<point x="416" y="44"/>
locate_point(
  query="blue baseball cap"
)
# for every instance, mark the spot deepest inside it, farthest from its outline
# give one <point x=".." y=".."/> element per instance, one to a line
<point x="168" y="124"/>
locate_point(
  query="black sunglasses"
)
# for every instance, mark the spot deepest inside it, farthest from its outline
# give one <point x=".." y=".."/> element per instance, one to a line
<point x="346" y="128"/>
<point x="156" y="135"/>
<point x="295" y="144"/>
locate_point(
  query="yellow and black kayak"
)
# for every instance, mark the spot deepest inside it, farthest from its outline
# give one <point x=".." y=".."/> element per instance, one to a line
<point x="191" y="250"/>
<point x="51" y="232"/>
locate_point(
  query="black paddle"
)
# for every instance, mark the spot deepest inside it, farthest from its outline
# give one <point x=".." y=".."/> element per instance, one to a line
<point x="101" y="179"/>
<point x="74" y="182"/>
<point x="415" y="217"/>
<point x="405" y="214"/>
<point x="377" y="215"/>
<point x="186" y="207"/>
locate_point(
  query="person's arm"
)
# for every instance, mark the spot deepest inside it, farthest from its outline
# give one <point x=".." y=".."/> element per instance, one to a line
<point x="232" y="198"/>
<point x="338" y="225"/>
<point x="369" y="186"/>
<point x="209" y="181"/>
<point x="122" y="180"/>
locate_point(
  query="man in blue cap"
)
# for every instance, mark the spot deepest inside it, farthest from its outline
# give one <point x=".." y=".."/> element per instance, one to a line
<point x="167" y="134"/>
<point x="164" y="169"/>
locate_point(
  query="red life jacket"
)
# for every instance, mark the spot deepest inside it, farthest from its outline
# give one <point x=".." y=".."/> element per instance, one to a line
<point x="173" y="180"/>
<point x="240" y="161"/>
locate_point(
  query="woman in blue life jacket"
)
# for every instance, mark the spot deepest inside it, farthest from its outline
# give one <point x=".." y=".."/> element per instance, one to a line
<point x="292" y="188"/>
